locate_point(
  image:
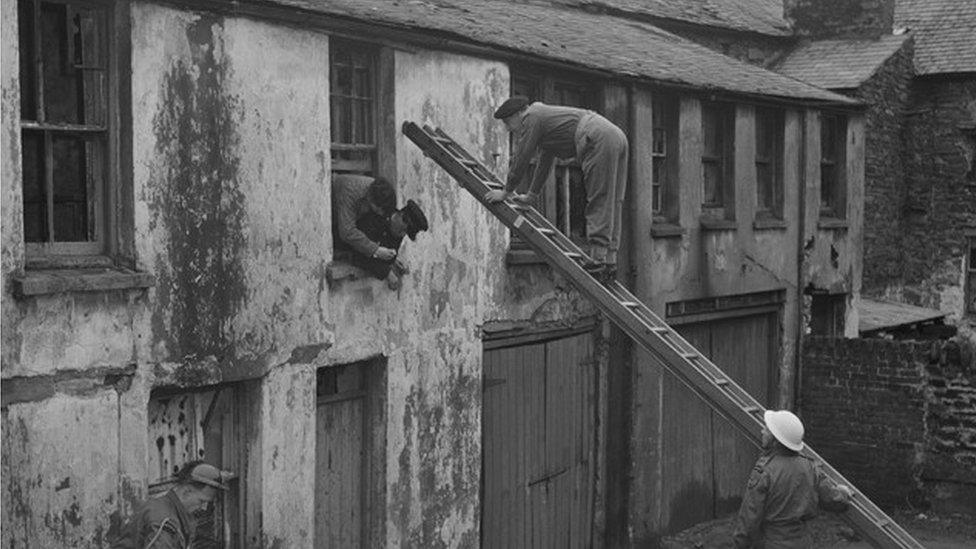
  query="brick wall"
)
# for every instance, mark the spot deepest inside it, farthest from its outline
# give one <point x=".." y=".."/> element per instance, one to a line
<point x="887" y="94"/>
<point x="894" y="417"/>
<point x="840" y="18"/>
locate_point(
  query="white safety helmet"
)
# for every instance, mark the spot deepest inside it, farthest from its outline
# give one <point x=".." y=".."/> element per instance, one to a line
<point x="785" y="427"/>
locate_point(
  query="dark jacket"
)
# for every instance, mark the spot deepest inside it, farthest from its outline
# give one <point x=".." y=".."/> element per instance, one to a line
<point x="160" y="523"/>
<point x="785" y="491"/>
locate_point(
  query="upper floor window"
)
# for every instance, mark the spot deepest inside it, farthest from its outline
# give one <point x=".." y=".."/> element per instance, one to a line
<point x="66" y="89"/>
<point x="353" y="102"/>
<point x="664" y="156"/>
<point x="564" y="202"/>
<point x="769" y="163"/>
<point x="833" y="166"/>
<point x="718" y="145"/>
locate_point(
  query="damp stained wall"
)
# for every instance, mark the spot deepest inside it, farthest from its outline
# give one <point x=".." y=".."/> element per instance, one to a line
<point x="231" y="192"/>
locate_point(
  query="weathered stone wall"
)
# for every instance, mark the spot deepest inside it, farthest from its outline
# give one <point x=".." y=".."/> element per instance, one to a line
<point x="941" y="203"/>
<point x="846" y="18"/>
<point x="231" y="200"/>
<point x="912" y="402"/>
<point x="887" y="95"/>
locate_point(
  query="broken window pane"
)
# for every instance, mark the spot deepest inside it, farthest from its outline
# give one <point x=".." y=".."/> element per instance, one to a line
<point x="35" y="198"/>
<point x="77" y="171"/>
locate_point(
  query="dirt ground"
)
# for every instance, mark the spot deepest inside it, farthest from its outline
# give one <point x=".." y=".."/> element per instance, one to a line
<point x="934" y="531"/>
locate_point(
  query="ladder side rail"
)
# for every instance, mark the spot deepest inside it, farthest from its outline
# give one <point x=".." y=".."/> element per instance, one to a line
<point x="865" y="516"/>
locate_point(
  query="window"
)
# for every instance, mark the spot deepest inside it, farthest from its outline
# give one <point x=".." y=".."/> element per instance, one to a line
<point x="66" y="85"/>
<point x="350" y="454"/>
<point x="827" y="313"/>
<point x="215" y="424"/>
<point x="833" y="166"/>
<point x="718" y="131"/>
<point x="971" y="277"/>
<point x="353" y="102"/>
<point x="769" y="163"/>
<point x="664" y="155"/>
<point x="563" y="200"/>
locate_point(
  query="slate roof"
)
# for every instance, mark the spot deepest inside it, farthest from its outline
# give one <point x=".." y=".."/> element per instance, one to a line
<point x="945" y="34"/>
<point x="839" y="64"/>
<point x="759" y="16"/>
<point x="876" y="314"/>
<point x="597" y="41"/>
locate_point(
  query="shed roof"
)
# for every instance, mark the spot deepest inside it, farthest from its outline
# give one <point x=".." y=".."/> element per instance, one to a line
<point x="945" y="34"/>
<point x="839" y="64"/>
<point x="759" y="16"/>
<point x="877" y="315"/>
<point x="592" y="40"/>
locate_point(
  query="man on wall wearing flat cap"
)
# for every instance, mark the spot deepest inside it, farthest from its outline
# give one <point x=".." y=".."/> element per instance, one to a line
<point x="598" y="145"/>
<point x="166" y="521"/>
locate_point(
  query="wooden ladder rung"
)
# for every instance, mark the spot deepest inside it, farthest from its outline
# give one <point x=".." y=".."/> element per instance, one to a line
<point x="630" y="304"/>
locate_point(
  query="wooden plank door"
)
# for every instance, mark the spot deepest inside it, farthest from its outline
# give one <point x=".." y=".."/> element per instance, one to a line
<point x="538" y="444"/>
<point x="706" y="461"/>
<point x="340" y="457"/>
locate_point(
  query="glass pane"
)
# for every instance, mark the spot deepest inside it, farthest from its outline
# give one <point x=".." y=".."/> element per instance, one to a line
<point x="762" y="135"/>
<point x="827" y="133"/>
<point x="35" y="200"/>
<point x="63" y="46"/>
<point x="658" y="141"/>
<point x="827" y="183"/>
<point x="341" y="78"/>
<point x="764" y="186"/>
<point x="77" y="179"/>
<point x="89" y="34"/>
<point x="710" y="132"/>
<point x="713" y="183"/>
<point x="28" y="75"/>
<point x="655" y="198"/>
<point x="658" y="172"/>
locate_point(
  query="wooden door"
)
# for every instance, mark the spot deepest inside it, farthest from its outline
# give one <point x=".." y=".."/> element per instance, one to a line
<point x="706" y="460"/>
<point x="340" y="458"/>
<point x="538" y="444"/>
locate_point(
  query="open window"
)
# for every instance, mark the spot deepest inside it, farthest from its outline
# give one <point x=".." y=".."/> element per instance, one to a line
<point x="833" y="166"/>
<point x="563" y="198"/>
<point x="70" y="143"/>
<point x="718" y="164"/>
<point x="827" y="313"/>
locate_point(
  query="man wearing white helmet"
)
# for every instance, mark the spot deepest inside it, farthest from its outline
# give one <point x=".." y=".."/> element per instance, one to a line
<point x="786" y="490"/>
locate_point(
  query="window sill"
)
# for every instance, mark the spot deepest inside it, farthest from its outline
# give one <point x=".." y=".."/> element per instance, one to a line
<point x="708" y="224"/>
<point x="55" y="281"/>
<point x="524" y="257"/>
<point x="832" y="223"/>
<point x="769" y="224"/>
<point x="665" y="230"/>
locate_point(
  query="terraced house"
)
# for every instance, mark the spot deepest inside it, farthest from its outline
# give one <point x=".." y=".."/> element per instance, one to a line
<point x="171" y="290"/>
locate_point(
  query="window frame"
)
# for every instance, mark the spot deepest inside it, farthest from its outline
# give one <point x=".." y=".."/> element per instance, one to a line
<point x="723" y="157"/>
<point x="828" y="314"/>
<point x="556" y="198"/>
<point x="665" y="113"/>
<point x="833" y="197"/>
<point x="103" y="199"/>
<point x="773" y="122"/>
<point x="372" y="51"/>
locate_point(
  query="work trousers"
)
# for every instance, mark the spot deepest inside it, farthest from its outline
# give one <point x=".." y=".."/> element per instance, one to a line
<point x="601" y="148"/>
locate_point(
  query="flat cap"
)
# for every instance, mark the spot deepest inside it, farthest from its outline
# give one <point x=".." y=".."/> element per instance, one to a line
<point x="511" y="106"/>
<point x="414" y="218"/>
<point x="207" y="474"/>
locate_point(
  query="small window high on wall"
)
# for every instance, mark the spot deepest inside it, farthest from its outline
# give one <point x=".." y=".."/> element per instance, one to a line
<point x="67" y="96"/>
<point x="664" y="158"/>
<point x="769" y="163"/>
<point x="563" y="199"/>
<point x="833" y="166"/>
<point x="827" y="312"/>
<point x="353" y="102"/>
<point x="718" y="168"/>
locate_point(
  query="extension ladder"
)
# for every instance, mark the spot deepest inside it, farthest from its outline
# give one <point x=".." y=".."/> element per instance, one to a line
<point x="677" y="356"/>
